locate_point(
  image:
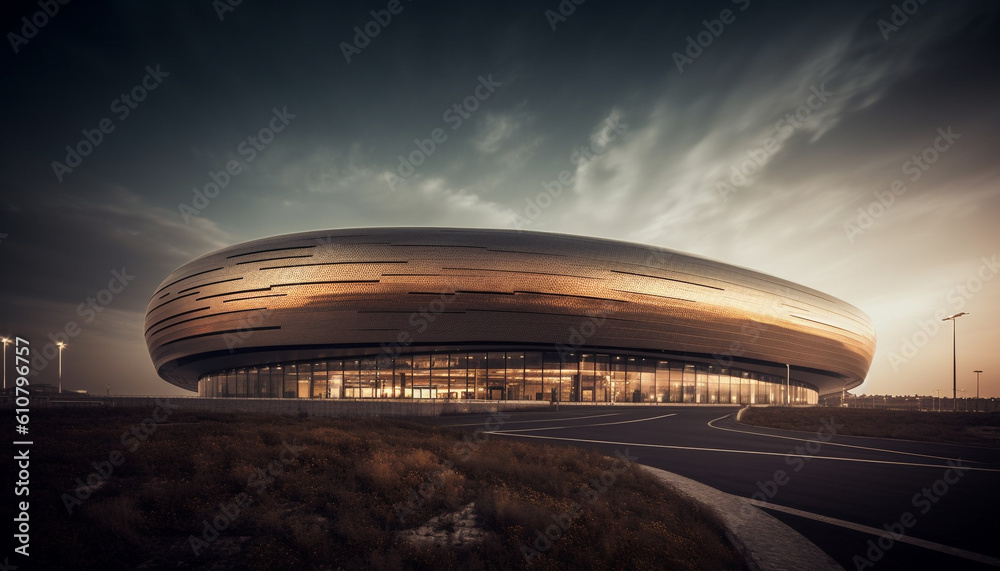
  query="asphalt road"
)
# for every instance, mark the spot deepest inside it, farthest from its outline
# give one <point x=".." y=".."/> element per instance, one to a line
<point x="945" y="499"/>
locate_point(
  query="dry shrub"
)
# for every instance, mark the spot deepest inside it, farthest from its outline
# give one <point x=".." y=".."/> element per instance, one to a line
<point x="333" y="507"/>
<point x="116" y="517"/>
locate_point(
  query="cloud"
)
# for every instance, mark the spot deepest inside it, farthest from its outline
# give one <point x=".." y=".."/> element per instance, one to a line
<point x="495" y="130"/>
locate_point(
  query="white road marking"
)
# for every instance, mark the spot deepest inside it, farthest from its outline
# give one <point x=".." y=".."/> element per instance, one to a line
<point x="829" y="443"/>
<point x="543" y="420"/>
<point x="729" y="451"/>
<point x="954" y="551"/>
<point x="585" y="425"/>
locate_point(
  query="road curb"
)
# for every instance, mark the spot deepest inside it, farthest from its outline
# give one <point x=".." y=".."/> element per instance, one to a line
<point x="765" y="542"/>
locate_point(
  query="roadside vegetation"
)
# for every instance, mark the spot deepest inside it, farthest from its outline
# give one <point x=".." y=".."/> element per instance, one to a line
<point x="228" y="491"/>
<point x="976" y="429"/>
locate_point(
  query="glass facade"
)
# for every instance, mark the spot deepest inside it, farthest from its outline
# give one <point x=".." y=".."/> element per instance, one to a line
<point x="508" y="375"/>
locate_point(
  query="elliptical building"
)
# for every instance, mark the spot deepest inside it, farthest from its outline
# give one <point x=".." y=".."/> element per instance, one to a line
<point x="441" y="313"/>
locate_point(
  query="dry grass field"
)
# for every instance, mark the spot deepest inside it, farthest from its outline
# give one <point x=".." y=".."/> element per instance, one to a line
<point x="217" y="491"/>
<point x="976" y="429"/>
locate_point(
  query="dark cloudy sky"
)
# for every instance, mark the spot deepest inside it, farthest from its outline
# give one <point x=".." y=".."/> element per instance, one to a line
<point x="879" y="94"/>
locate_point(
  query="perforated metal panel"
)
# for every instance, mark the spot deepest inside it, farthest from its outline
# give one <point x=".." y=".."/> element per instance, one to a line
<point x="405" y="290"/>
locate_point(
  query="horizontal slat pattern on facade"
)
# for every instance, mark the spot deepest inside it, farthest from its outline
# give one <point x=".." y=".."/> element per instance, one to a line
<point x="357" y="290"/>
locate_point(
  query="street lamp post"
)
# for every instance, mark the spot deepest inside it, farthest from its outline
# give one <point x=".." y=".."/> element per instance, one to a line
<point x="954" y="358"/>
<point x="977" y="389"/>
<point x="5" y="342"/>
<point x="61" y="346"/>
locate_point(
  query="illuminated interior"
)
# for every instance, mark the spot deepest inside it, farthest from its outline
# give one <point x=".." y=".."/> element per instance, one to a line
<point x="520" y="375"/>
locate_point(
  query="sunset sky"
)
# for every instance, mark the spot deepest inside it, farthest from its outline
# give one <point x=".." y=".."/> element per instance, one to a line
<point x="760" y="134"/>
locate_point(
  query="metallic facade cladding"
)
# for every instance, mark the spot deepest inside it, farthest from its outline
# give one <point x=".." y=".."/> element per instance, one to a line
<point x="389" y="291"/>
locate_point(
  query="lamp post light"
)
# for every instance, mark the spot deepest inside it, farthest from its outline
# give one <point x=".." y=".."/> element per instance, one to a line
<point x="788" y="384"/>
<point x="5" y="342"/>
<point x="977" y="389"/>
<point x="954" y="358"/>
<point x="61" y="346"/>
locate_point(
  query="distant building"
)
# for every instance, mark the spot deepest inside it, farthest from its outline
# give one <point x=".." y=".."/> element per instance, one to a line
<point x="496" y="314"/>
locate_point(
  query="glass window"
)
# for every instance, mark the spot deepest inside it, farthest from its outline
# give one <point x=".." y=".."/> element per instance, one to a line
<point x="553" y="378"/>
<point x="458" y="385"/>
<point x="403" y="370"/>
<point x="319" y="376"/>
<point x="724" y="386"/>
<point x="602" y="378"/>
<point x="663" y="381"/>
<point x="649" y="380"/>
<point x="477" y="374"/>
<point x="676" y="381"/>
<point x="252" y="382"/>
<point x="713" y="384"/>
<point x="421" y="380"/>
<point x="335" y="379"/>
<point x="352" y="378"/>
<point x="274" y="376"/>
<point x="701" y="394"/>
<point x="439" y="375"/>
<point x="368" y="380"/>
<point x="588" y="377"/>
<point x="291" y="387"/>
<point x="633" y="380"/>
<point x="515" y="377"/>
<point x="241" y="382"/>
<point x="617" y="382"/>
<point x="304" y="381"/>
<point x="534" y="383"/>
<point x="496" y="375"/>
